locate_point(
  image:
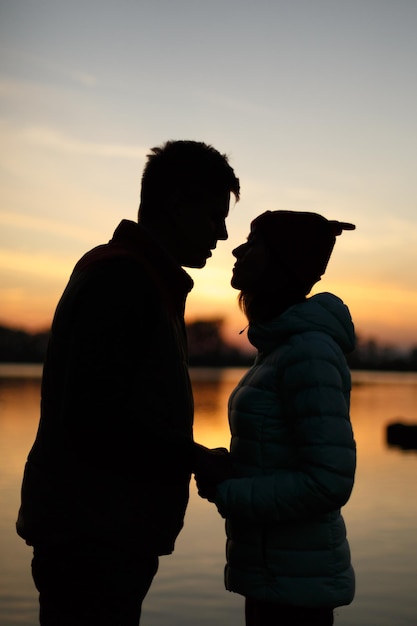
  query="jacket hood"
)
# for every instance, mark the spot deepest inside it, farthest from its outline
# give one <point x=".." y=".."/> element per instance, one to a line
<point x="323" y="312"/>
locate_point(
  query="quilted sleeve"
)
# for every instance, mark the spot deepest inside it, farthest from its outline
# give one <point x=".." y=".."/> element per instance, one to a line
<point x="312" y="440"/>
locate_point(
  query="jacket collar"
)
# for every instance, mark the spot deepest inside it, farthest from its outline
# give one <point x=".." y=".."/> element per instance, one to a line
<point x="141" y="243"/>
<point x="132" y="240"/>
<point x="324" y="312"/>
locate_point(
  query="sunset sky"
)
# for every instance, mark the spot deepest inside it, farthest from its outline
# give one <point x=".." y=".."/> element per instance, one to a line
<point x="314" y="101"/>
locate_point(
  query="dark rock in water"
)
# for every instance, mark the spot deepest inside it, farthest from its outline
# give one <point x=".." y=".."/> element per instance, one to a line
<point x="402" y="435"/>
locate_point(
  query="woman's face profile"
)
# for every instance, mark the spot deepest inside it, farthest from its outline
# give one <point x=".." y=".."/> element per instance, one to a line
<point x="251" y="262"/>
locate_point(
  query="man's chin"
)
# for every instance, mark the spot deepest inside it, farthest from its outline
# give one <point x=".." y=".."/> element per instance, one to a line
<point x="195" y="264"/>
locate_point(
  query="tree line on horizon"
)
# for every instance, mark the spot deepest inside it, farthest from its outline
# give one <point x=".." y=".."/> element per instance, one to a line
<point x="207" y="348"/>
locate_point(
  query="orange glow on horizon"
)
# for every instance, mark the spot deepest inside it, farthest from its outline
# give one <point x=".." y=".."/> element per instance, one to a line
<point x="31" y="285"/>
<point x="29" y="311"/>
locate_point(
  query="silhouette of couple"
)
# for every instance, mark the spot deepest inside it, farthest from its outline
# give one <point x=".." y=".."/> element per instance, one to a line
<point x="106" y="483"/>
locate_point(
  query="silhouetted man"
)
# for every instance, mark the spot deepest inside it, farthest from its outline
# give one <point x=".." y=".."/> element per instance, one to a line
<point x="106" y="483"/>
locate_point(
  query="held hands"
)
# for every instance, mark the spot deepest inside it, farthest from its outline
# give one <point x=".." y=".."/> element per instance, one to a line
<point x="211" y="467"/>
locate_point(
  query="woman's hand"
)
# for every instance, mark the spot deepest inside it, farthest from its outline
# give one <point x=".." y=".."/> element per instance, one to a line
<point x="211" y="467"/>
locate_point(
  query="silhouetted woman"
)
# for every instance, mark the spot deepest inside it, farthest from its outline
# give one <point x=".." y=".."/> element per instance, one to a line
<point x="292" y="446"/>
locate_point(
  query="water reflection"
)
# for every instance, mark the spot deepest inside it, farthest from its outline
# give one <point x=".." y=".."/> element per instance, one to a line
<point x="189" y="587"/>
<point x="212" y="389"/>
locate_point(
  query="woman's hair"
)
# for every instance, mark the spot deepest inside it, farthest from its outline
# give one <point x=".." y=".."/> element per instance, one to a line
<point x="183" y="170"/>
<point x="269" y="299"/>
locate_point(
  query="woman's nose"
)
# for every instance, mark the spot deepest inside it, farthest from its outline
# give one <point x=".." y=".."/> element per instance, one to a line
<point x="238" y="252"/>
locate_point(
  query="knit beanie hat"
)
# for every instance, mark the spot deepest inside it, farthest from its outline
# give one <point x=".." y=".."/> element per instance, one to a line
<point x="301" y="242"/>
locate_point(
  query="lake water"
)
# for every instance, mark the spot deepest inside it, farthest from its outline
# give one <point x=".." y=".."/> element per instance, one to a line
<point x="381" y="515"/>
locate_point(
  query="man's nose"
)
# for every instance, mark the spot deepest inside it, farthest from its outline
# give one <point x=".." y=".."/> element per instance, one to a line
<point x="222" y="233"/>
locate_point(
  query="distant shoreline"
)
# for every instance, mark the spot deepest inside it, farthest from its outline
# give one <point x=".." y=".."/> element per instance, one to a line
<point x="208" y="348"/>
<point x="360" y="376"/>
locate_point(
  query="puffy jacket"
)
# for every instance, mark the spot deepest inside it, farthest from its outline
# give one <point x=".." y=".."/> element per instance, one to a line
<point x="294" y="457"/>
<point x="112" y="456"/>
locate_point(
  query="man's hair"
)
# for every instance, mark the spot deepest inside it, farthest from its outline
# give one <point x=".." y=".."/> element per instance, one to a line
<point x="182" y="171"/>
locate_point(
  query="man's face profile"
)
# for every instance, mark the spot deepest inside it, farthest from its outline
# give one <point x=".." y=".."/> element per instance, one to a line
<point x="201" y="224"/>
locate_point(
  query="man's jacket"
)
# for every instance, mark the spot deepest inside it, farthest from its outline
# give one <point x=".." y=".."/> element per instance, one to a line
<point x="112" y="458"/>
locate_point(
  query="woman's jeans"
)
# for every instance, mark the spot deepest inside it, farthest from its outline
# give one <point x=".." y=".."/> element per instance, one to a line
<point x="259" y="613"/>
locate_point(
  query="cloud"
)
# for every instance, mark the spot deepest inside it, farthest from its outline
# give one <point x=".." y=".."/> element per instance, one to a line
<point x="45" y="225"/>
<point x="235" y="105"/>
<point x="61" y="142"/>
<point x="42" y="265"/>
<point x="85" y="79"/>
